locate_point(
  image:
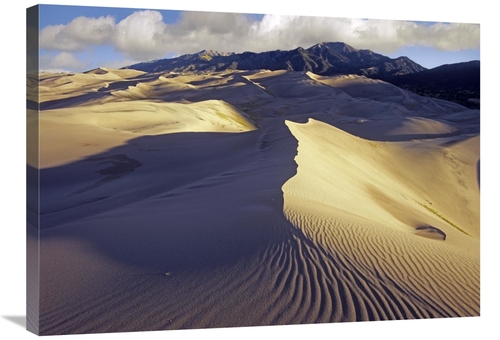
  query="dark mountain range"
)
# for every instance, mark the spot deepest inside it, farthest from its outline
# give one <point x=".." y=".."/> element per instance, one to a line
<point x="459" y="83"/>
<point x="456" y="82"/>
<point x="323" y="59"/>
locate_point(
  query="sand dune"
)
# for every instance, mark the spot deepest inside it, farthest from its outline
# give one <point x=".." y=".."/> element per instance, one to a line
<point x="378" y="90"/>
<point x="173" y="201"/>
<point x="399" y="170"/>
<point x="72" y="85"/>
<point x="70" y="134"/>
<point x="348" y="198"/>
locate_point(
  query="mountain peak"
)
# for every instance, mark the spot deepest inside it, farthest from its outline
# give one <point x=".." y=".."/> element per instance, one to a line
<point x="338" y="47"/>
<point x="212" y="53"/>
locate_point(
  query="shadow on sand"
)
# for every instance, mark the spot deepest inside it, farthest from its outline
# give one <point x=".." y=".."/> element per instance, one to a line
<point x="183" y="201"/>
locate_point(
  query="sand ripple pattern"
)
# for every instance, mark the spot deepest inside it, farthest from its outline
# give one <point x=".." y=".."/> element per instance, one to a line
<point x="376" y="276"/>
<point x="365" y="262"/>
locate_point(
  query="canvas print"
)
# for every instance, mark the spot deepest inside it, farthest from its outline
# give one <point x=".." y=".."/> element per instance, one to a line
<point x="191" y="170"/>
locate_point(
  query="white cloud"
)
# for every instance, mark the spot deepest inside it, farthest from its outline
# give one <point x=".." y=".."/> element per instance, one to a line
<point x="455" y="36"/>
<point x="63" y="61"/>
<point x="212" y="22"/>
<point x="143" y="35"/>
<point x="378" y="35"/>
<point x="90" y="30"/>
<point x="79" y="34"/>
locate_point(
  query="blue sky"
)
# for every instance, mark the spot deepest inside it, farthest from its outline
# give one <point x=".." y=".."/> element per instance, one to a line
<point x="75" y="38"/>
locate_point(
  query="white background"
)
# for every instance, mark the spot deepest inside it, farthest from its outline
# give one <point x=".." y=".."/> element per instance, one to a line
<point x="13" y="189"/>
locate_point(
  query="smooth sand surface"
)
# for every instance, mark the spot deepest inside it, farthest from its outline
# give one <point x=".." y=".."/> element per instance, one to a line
<point x="176" y="201"/>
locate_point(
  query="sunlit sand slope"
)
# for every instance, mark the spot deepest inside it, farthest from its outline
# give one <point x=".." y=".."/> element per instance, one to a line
<point x="69" y="134"/>
<point x="401" y="241"/>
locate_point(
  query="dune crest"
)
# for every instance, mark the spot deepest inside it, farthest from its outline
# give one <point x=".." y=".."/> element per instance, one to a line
<point x="73" y="133"/>
<point x="347" y="198"/>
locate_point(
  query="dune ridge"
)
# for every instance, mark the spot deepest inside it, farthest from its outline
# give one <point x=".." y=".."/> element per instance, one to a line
<point x="376" y="242"/>
<point x="98" y="127"/>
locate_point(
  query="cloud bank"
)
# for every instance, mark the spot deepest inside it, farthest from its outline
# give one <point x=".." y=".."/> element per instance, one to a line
<point x="144" y="35"/>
